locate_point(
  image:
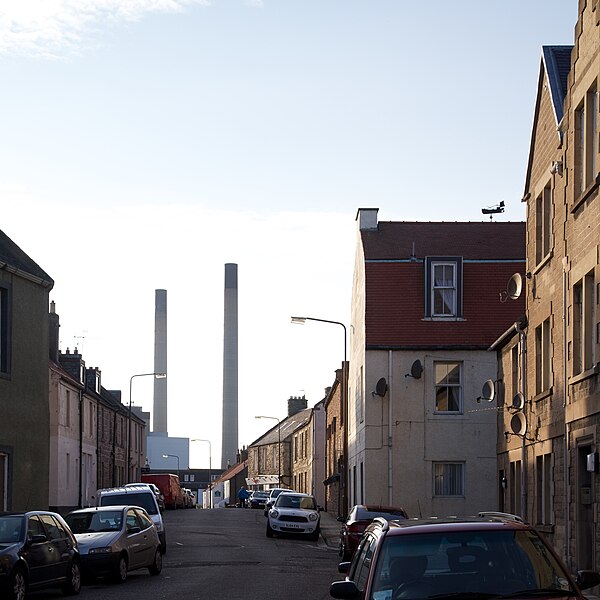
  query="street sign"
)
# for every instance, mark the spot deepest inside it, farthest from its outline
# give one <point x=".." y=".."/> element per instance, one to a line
<point x="262" y="480"/>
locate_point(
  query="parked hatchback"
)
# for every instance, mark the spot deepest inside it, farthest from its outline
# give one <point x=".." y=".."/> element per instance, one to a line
<point x="359" y="518"/>
<point x="294" y="513"/>
<point x="37" y="550"/>
<point x="489" y="556"/>
<point x="114" y="540"/>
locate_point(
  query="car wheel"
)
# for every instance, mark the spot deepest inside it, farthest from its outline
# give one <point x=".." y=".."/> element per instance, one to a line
<point x="121" y="572"/>
<point x="73" y="585"/>
<point x="269" y="529"/>
<point x="156" y="567"/>
<point x="18" y="585"/>
<point x="315" y="535"/>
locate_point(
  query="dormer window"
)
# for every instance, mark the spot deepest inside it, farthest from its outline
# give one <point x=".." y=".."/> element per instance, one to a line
<point x="443" y="291"/>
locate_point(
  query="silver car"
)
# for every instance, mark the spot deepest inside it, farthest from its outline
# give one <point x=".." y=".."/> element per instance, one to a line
<point x="294" y="513"/>
<point x="114" y="540"/>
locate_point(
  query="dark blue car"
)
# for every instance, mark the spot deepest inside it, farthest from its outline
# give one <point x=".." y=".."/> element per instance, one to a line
<point x="37" y="550"/>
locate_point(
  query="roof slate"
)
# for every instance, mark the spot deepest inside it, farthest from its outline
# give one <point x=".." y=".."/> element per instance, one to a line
<point x="491" y="240"/>
<point x="288" y="426"/>
<point x="13" y="256"/>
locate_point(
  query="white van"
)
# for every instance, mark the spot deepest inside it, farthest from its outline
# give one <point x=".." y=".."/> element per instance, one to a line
<point x="136" y="495"/>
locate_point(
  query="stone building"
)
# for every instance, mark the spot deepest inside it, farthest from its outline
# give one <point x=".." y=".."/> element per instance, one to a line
<point x="549" y="455"/>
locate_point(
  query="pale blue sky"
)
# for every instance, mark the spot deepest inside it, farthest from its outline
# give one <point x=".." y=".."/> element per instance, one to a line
<point x="149" y="146"/>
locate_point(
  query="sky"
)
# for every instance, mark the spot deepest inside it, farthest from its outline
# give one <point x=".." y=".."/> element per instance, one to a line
<point x="146" y="143"/>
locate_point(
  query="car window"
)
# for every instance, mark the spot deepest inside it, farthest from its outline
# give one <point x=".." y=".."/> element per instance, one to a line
<point x="11" y="529"/>
<point x="144" y="520"/>
<point x="362" y="562"/>
<point x="131" y="519"/>
<point x="34" y="526"/>
<point x="145" y="500"/>
<point x="52" y="529"/>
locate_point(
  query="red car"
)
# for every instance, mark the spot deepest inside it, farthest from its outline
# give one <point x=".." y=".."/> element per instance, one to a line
<point x="359" y="518"/>
<point x="493" y="555"/>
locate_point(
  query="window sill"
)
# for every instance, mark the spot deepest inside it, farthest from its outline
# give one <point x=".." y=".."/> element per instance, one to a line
<point x="585" y="374"/>
<point x="444" y="319"/>
<point x="586" y="194"/>
<point x="448" y="413"/>
<point x="544" y="394"/>
<point x="545" y="260"/>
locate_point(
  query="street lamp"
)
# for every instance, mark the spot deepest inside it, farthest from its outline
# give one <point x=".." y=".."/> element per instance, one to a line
<point x="302" y="321"/>
<point x="278" y="445"/>
<point x="158" y="376"/>
<point x="209" y="469"/>
<point x="173" y="456"/>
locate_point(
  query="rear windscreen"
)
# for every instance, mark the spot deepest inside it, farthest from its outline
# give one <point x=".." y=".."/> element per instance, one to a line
<point x="136" y="499"/>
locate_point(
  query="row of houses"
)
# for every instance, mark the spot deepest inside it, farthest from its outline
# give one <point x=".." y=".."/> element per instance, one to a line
<point x="62" y="434"/>
<point x="473" y="379"/>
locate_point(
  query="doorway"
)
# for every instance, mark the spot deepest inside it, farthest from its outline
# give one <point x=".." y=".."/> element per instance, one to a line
<point x="584" y="509"/>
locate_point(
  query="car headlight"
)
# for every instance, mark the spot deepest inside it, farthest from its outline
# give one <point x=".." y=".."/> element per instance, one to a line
<point x="274" y="513"/>
<point x="103" y="550"/>
<point x="313" y="517"/>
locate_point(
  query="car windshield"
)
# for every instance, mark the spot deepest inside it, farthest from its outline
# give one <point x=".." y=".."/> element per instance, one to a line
<point x="291" y="501"/>
<point x="95" y="522"/>
<point x="260" y="495"/>
<point x="477" y="563"/>
<point x="12" y="529"/>
<point x="136" y="499"/>
<point x="364" y="514"/>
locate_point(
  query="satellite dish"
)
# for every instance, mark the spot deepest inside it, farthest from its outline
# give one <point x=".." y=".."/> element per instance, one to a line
<point x="381" y="387"/>
<point x="488" y="391"/>
<point x="518" y="424"/>
<point x="514" y="287"/>
<point x="518" y="402"/>
<point x="416" y="370"/>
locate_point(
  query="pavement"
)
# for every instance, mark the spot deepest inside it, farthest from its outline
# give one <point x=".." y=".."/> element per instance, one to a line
<point x="330" y="529"/>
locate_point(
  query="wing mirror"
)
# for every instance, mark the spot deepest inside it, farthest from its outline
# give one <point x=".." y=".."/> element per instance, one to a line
<point x="587" y="579"/>
<point x="344" y="589"/>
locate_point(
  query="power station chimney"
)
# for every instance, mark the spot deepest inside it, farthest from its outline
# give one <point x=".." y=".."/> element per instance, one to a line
<point x="160" y="362"/>
<point x="229" y="443"/>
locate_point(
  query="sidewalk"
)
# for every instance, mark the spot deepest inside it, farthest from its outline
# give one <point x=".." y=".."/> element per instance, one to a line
<point x="330" y="529"/>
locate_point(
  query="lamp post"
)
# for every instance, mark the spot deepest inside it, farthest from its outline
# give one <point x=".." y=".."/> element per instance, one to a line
<point x="344" y="394"/>
<point x="209" y="469"/>
<point x="278" y="445"/>
<point x="173" y="456"/>
<point x="158" y="376"/>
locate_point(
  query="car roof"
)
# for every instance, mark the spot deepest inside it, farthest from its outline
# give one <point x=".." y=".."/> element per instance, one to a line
<point x="91" y="509"/>
<point x="126" y="490"/>
<point x="28" y="513"/>
<point x="451" y="524"/>
<point x="292" y="493"/>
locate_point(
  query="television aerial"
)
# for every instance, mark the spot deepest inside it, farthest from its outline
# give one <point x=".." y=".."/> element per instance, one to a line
<point x="493" y="210"/>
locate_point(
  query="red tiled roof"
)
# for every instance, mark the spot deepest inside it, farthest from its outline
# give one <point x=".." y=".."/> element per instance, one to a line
<point x="471" y="240"/>
<point x="395" y="306"/>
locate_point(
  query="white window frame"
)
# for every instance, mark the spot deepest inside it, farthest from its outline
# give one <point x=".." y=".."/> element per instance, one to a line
<point x="443" y="473"/>
<point x="442" y="288"/>
<point x="437" y="385"/>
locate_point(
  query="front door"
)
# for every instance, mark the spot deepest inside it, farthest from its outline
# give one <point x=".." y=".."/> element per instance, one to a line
<point x="40" y="555"/>
<point x="585" y="510"/>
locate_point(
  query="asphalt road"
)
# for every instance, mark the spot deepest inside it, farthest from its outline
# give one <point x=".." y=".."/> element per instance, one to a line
<point x="225" y="554"/>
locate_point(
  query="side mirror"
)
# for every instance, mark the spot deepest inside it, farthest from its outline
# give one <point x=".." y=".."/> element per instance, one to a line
<point x="587" y="579"/>
<point x="344" y="589"/>
<point x="341" y="519"/>
<point x="344" y="567"/>
<point x="319" y="508"/>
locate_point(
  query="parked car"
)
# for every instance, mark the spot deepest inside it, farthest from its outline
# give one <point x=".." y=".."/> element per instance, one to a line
<point x="189" y="498"/>
<point x="273" y="493"/>
<point x="159" y="495"/>
<point x="135" y="495"/>
<point x="359" y="518"/>
<point x="114" y="540"/>
<point x="294" y="513"/>
<point x="492" y="555"/>
<point x="37" y="550"/>
<point x="258" y="499"/>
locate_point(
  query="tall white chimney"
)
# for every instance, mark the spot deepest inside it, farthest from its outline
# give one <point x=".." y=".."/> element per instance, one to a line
<point x="160" y="362"/>
<point x="229" y="443"/>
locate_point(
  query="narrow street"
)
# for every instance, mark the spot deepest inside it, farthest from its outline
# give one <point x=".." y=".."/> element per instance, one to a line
<point x="225" y="554"/>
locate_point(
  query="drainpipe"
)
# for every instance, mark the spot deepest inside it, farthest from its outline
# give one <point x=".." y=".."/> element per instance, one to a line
<point x="390" y="430"/>
<point x="567" y="499"/>
<point x="80" y="491"/>
<point x="523" y="343"/>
